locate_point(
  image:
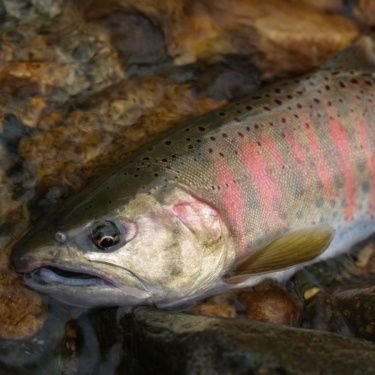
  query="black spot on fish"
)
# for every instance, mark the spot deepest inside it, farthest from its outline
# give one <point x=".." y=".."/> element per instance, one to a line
<point x="365" y="186"/>
<point x="319" y="202"/>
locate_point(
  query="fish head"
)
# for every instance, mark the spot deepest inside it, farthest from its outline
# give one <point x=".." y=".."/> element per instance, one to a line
<point x="159" y="248"/>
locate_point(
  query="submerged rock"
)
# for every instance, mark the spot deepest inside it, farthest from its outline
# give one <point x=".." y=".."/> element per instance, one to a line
<point x="179" y="343"/>
<point x="357" y="306"/>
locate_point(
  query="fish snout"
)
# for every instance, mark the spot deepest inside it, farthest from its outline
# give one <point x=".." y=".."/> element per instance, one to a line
<point x="28" y="254"/>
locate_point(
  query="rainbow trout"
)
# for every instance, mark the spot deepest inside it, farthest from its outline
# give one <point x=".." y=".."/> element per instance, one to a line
<point x="254" y="190"/>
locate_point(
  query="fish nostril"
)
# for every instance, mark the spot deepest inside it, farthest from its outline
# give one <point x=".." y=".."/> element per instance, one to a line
<point x="60" y="237"/>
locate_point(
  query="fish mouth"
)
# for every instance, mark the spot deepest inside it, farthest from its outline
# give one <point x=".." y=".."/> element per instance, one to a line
<point x="55" y="275"/>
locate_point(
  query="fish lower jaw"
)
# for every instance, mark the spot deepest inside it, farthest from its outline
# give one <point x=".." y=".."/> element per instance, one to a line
<point x="51" y="275"/>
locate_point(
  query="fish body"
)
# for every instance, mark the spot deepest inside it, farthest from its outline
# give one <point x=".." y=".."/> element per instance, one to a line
<point x="187" y="214"/>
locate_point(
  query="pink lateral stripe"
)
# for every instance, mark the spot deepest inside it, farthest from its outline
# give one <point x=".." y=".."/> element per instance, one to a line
<point x="233" y="201"/>
<point x="341" y="142"/>
<point x="297" y="150"/>
<point x="364" y="140"/>
<point x="257" y="162"/>
<point x="322" y="168"/>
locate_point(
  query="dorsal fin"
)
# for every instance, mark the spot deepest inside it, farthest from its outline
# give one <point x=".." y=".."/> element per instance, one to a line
<point x="359" y="56"/>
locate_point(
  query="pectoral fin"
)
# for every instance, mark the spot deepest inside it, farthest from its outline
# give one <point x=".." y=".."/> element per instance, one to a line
<point x="293" y="248"/>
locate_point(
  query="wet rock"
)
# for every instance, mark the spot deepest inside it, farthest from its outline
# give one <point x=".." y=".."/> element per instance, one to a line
<point x="269" y="302"/>
<point x="347" y="310"/>
<point x="22" y="311"/>
<point x="365" y="13"/>
<point x="326" y="287"/>
<point x="228" y="80"/>
<point x="326" y="5"/>
<point x="320" y="313"/>
<point x="139" y="41"/>
<point x="23" y="9"/>
<point x="100" y="341"/>
<point x="42" y="353"/>
<point x="280" y="36"/>
<point x="357" y="307"/>
<point x="40" y="71"/>
<point x="220" y="306"/>
<point x="13" y="216"/>
<point x="266" y="302"/>
<point x="185" y="344"/>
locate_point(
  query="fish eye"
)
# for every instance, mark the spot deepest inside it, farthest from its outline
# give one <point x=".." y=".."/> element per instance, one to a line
<point x="105" y="235"/>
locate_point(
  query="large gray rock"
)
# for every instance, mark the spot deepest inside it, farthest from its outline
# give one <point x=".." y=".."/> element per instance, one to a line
<point x="177" y="343"/>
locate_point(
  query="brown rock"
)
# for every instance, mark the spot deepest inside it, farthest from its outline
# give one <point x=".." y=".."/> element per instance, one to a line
<point x="269" y="302"/>
<point x="41" y="71"/>
<point x="357" y="307"/>
<point x="22" y="311"/>
<point x="220" y="310"/>
<point x="281" y="36"/>
<point x="185" y="344"/>
<point x="365" y="13"/>
<point x="326" y="5"/>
